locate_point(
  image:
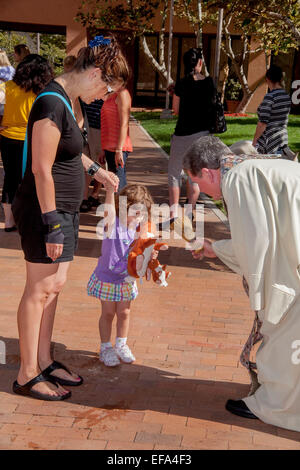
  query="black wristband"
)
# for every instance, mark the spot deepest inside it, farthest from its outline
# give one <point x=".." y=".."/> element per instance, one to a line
<point x="93" y="169"/>
<point x="50" y="218"/>
<point x="53" y="232"/>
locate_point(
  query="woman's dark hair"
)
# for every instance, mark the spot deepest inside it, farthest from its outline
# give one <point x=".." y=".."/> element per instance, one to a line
<point x="108" y="57"/>
<point x="274" y="74"/>
<point x="190" y="60"/>
<point x="22" y="50"/>
<point x="33" y="73"/>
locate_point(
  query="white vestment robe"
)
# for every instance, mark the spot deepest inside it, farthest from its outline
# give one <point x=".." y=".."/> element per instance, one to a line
<point x="263" y="203"/>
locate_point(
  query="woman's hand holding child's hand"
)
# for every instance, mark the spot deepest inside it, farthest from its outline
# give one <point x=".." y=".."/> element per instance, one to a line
<point x="108" y="179"/>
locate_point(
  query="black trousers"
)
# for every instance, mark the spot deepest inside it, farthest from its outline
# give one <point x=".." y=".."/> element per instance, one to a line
<point x="11" y="153"/>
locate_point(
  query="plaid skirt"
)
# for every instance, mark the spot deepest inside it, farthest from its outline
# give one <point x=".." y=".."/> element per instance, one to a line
<point x="109" y="291"/>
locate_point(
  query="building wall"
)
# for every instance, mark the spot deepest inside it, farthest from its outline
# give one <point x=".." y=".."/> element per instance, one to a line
<point x="53" y="12"/>
<point x="62" y="13"/>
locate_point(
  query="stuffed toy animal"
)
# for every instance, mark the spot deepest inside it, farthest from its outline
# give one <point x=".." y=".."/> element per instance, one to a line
<point x="140" y="263"/>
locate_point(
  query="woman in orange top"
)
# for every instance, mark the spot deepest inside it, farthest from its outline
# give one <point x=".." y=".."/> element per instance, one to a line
<point x="31" y="76"/>
<point x="115" y="140"/>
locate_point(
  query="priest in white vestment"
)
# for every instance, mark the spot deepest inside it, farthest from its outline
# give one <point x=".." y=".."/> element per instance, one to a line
<point x="262" y="199"/>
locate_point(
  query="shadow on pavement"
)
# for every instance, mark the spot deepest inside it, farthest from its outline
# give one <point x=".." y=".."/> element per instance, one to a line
<point x="113" y="392"/>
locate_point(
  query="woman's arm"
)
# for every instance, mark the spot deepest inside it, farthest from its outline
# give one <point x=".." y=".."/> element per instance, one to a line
<point x="260" y="129"/>
<point x="176" y="103"/>
<point x="123" y="101"/>
<point x="45" y="139"/>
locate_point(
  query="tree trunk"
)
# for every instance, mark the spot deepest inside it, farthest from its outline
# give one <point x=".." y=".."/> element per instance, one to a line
<point x="242" y="106"/>
<point x="223" y="84"/>
<point x="161" y="69"/>
<point x="199" y="35"/>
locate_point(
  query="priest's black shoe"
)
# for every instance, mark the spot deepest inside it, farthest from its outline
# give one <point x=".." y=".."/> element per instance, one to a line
<point x="239" y="407"/>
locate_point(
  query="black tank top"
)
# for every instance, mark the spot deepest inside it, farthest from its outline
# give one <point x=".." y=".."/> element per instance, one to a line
<point x="67" y="170"/>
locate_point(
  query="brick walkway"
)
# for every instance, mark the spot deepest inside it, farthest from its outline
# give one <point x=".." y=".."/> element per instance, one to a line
<point x="187" y="339"/>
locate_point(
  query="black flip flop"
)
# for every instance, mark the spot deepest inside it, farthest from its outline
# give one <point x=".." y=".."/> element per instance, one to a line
<point x="26" y="389"/>
<point x="11" y="229"/>
<point x="58" y="365"/>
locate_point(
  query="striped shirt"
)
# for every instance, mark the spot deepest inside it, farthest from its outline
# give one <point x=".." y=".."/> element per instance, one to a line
<point x="93" y="111"/>
<point x="274" y="111"/>
<point x="110" y="126"/>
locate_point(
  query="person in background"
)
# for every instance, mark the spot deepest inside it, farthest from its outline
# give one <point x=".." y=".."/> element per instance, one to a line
<point x="93" y="111"/>
<point x="21" y="51"/>
<point x="6" y="73"/>
<point x="115" y="140"/>
<point x="192" y="102"/>
<point x="31" y="76"/>
<point x="271" y="134"/>
<point x="79" y="110"/>
<point x="69" y="62"/>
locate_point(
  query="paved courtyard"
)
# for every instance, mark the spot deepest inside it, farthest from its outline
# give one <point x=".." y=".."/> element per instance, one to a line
<point x="187" y="339"/>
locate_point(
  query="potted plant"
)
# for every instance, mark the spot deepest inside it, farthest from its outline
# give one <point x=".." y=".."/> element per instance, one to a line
<point x="233" y="94"/>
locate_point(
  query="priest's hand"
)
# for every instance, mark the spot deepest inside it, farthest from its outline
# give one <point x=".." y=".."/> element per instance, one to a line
<point x="205" y="252"/>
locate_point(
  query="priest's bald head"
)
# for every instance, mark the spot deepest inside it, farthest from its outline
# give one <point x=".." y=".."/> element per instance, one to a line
<point x="202" y="162"/>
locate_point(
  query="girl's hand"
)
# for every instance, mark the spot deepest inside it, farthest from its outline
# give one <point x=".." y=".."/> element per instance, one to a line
<point x="119" y="158"/>
<point x="54" y="250"/>
<point x="206" y="251"/>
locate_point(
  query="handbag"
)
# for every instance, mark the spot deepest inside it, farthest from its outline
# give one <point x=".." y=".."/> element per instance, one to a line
<point x="218" y="119"/>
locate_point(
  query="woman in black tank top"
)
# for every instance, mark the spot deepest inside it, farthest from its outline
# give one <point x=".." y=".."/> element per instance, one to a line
<point x="47" y="204"/>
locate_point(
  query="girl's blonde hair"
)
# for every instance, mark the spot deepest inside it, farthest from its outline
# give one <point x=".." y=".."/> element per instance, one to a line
<point x="136" y="194"/>
<point x="4" y="61"/>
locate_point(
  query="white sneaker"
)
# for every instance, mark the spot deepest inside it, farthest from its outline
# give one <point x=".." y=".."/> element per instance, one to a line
<point x="124" y="353"/>
<point x="109" y="357"/>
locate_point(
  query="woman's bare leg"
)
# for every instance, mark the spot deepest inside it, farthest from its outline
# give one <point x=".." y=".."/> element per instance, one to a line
<point x="39" y="286"/>
<point x="174" y="193"/>
<point x="9" y="218"/>
<point x="193" y="192"/>
<point x="46" y="329"/>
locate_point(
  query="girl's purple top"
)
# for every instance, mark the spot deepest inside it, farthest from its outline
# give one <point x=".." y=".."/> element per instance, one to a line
<point x="112" y="264"/>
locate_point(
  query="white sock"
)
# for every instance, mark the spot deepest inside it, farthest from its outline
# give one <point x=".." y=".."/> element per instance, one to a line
<point x="105" y="346"/>
<point x="120" y="342"/>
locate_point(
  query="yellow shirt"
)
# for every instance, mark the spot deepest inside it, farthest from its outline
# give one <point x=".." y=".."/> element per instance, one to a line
<point x="17" y="107"/>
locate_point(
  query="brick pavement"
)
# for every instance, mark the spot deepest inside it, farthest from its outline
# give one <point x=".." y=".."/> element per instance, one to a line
<point x="187" y="339"/>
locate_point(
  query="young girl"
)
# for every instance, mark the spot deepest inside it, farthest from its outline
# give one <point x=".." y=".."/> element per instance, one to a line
<point x="108" y="283"/>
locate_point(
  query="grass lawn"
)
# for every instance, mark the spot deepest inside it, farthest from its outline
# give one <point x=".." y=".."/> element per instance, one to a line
<point x="238" y="128"/>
